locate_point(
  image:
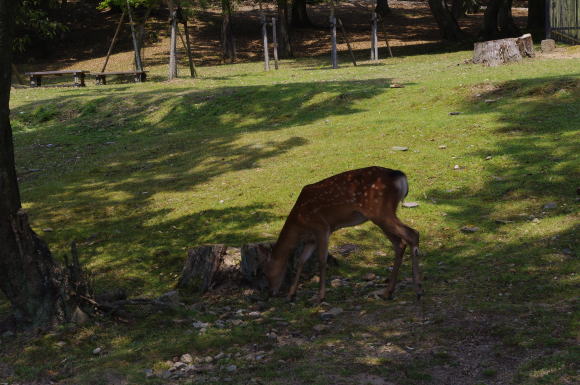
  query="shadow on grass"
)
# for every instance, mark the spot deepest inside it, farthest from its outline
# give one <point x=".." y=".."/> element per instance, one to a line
<point x="115" y="150"/>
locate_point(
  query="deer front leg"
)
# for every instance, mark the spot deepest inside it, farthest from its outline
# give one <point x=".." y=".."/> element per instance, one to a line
<point x="322" y="254"/>
<point x="306" y="253"/>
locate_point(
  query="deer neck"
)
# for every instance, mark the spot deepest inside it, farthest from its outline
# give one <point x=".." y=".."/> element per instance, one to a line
<point x="286" y="243"/>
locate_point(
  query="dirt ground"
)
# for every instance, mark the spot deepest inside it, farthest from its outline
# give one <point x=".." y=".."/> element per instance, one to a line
<point x="411" y="29"/>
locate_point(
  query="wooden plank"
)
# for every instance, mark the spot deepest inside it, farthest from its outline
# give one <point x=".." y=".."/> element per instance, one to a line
<point x="119" y="73"/>
<point x="41" y="73"/>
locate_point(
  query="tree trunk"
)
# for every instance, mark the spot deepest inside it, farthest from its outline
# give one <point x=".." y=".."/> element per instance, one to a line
<point x="537" y="18"/>
<point x="447" y="24"/>
<point x="496" y="52"/>
<point x="458" y="9"/>
<point x="300" y="17"/>
<point x="382" y="8"/>
<point x="284" y="47"/>
<point x="498" y="21"/>
<point x="33" y="283"/>
<point x="227" y="35"/>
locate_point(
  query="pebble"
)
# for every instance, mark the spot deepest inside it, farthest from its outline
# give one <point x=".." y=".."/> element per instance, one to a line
<point x="488" y="157"/>
<point x="200" y="325"/>
<point x="231" y="368"/>
<point x="48" y="230"/>
<point x="550" y="205"/>
<point x="336" y="283"/>
<point x="369" y="276"/>
<point x="331" y="313"/>
<point x="187" y="358"/>
<point x="442" y="147"/>
<point x="149" y="373"/>
<point x="410" y="204"/>
<point x="456" y="167"/>
<point x="399" y="148"/>
<point x="469" y="229"/>
<point x="208" y="359"/>
<point x="455" y="113"/>
<point x="254" y="314"/>
<point x="220" y="356"/>
<point x="97" y="351"/>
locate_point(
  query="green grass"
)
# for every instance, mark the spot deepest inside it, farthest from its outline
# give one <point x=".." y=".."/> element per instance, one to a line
<point x="137" y="173"/>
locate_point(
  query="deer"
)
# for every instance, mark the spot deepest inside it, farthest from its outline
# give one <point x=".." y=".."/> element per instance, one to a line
<point x="344" y="200"/>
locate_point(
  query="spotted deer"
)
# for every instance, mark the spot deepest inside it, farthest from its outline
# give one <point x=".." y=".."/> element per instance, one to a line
<point x="344" y="200"/>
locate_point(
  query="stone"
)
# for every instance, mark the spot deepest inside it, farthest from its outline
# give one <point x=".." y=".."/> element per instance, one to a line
<point x="548" y="45"/>
<point x="187" y="358"/>
<point x="254" y="314"/>
<point x="219" y="356"/>
<point x="550" y="205"/>
<point x="457" y="167"/>
<point x="319" y="328"/>
<point x="48" y="230"/>
<point x="170" y="296"/>
<point x="336" y="283"/>
<point x="231" y="368"/>
<point x="488" y="157"/>
<point x="369" y="276"/>
<point x="410" y="204"/>
<point x="97" y="351"/>
<point x="179" y="365"/>
<point x="399" y="148"/>
<point x="442" y="147"/>
<point x="469" y="229"/>
<point x="331" y="313"/>
<point x="453" y="113"/>
<point x="149" y="373"/>
<point x="208" y="359"/>
<point x="200" y="325"/>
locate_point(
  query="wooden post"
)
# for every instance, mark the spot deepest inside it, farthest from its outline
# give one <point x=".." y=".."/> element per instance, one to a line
<point x="374" y="39"/>
<point x="333" y="54"/>
<point x="186" y="46"/>
<point x="275" y="42"/>
<point x="114" y="39"/>
<point x="192" y="64"/>
<point x="344" y="35"/>
<point x="138" y="63"/>
<point x="384" y="30"/>
<point x="173" y="42"/>
<point x="265" y="41"/>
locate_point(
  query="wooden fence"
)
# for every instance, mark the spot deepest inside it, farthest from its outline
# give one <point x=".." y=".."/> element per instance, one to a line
<point x="563" y="20"/>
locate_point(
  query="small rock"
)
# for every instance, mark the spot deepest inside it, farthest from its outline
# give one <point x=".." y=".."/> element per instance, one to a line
<point x="469" y="229"/>
<point x="236" y="322"/>
<point x="166" y="374"/>
<point x="272" y="336"/>
<point x="331" y="313"/>
<point x="396" y="85"/>
<point x="488" y="101"/>
<point x="442" y="147"/>
<point x="369" y="276"/>
<point x="170" y="296"/>
<point x="179" y="365"/>
<point x="346" y="249"/>
<point x="548" y="45"/>
<point x="48" y="230"/>
<point x="550" y="205"/>
<point x="219" y="356"/>
<point x="336" y="283"/>
<point x="488" y="157"/>
<point x="455" y="113"/>
<point x="60" y="344"/>
<point x="254" y="314"/>
<point x="97" y="351"/>
<point x="535" y="220"/>
<point x="200" y="325"/>
<point x="456" y="167"/>
<point x="187" y="358"/>
<point x="399" y="148"/>
<point x="410" y="204"/>
<point x="319" y="328"/>
<point x="149" y="373"/>
<point x="208" y="359"/>
<point x="231" y="368"/>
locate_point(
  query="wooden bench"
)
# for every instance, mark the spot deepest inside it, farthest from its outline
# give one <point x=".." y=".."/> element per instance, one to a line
<point x="101" y="77"/>
<point x="36" y="77"/>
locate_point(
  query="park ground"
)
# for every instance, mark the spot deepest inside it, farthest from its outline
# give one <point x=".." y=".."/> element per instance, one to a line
<point x="139" y="173"/>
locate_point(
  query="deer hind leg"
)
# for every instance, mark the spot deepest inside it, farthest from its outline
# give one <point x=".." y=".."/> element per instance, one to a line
<point x="393" y="227"/>
<point x="306" y="253"/>
<point x="399" y="247"/>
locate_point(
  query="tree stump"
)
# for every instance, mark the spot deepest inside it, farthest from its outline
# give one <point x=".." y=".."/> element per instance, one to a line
<point x="254" y="255"/>
<point x="495" y="52"/>
<point x="207" y="267"/>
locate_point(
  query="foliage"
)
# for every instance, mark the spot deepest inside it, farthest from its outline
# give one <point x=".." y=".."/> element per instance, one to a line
<point x="33" y="22"/>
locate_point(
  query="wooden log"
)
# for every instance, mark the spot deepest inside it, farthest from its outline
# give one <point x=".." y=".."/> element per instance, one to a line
<point x="114" y="40"/>
<point x="207" y="267"/>
<point x="345" y="37"/>
<point x="192" y="69"/>
<point x="136" y="49"/>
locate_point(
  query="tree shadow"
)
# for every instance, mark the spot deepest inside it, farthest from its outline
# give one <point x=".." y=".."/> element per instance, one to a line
<point x="115" y="150"/>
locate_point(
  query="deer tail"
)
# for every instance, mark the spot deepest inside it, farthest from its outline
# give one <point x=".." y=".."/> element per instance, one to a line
<point x="402" y="186"/>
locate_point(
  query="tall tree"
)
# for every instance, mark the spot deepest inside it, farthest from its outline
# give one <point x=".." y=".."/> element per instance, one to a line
<point x="498" y="21"/>
<point x="448" y="26"/>
<point x="382" y="9"/>
<point x="284" y="47"/>
<point x="300" y="17"/>
<point x="37" y="287"/>
<point x="227" y="34"/>
<point x="537" y="18"/>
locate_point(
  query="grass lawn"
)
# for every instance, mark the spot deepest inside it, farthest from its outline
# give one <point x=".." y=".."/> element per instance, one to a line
<point x="138" y="173"/>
